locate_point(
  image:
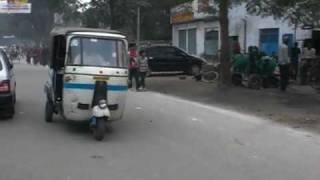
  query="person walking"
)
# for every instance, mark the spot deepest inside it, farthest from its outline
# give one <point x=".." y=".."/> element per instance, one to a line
<point x="133" y="72"/>
<point x="284" y="64"/>
<point x="295" y="55"/>
<point x="143" y="68"/>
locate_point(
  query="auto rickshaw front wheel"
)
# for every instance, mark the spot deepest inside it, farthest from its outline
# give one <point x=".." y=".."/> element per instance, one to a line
<point x="49" y="112"/>
<point x="100" y="129"/>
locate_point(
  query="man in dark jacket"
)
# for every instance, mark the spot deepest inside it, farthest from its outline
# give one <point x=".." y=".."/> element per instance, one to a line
<point x="295" y="55"/>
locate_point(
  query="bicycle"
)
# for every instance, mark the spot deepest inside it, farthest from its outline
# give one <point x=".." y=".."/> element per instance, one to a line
<point x="209" y="73"/>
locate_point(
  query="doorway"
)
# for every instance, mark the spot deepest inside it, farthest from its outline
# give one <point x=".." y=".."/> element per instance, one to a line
<point x="269" y="41"/>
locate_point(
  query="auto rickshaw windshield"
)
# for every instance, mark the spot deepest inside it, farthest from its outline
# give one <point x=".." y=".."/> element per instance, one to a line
<point x="96" y="52"/>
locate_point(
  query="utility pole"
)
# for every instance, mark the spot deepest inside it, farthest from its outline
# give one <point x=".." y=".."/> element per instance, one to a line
<point x="138" y="29"/>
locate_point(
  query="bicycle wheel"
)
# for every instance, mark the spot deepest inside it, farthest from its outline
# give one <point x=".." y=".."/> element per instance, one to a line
<point x="210" y="76"/>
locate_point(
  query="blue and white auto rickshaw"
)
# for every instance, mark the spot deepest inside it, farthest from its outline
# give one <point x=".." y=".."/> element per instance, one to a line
<point x="88" y="77"/>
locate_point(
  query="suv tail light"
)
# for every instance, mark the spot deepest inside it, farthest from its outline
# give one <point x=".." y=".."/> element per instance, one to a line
<point x="4" y="86"/>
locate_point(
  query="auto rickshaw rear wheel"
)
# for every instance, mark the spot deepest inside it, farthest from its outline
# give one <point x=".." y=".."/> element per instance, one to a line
<point x="100" y="129"/>
<point x="49" y="112"/>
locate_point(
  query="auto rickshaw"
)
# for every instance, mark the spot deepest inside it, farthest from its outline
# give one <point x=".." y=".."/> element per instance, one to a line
<point x="88" y="77"/>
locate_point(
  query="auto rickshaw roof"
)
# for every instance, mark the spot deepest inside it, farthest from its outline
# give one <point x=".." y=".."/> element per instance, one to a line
<point x="66" y="30"/>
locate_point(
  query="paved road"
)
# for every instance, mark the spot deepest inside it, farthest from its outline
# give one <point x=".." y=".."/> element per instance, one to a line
<point x="160" y="138"/>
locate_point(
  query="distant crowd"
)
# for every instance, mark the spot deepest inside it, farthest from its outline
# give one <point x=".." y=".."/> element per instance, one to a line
<point x="32" y="54"/>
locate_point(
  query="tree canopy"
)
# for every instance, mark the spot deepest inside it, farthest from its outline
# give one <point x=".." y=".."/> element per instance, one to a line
<point x="296" y="11"/>
<point x="155" y="15"/>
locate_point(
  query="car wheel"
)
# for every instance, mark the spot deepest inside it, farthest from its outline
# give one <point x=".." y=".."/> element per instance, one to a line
<point x="195" y="70"/>
<point x="99" y="130"/>
<point x="49" y="112"/>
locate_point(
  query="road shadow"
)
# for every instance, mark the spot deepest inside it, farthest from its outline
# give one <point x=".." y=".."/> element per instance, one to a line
<point x="166" y="74"/>
<point x="78" y="129"/>
<point x="5" y="119"/>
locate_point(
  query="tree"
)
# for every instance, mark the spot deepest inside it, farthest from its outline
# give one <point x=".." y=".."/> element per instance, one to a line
<point x="121" y="15"/>
<point x="116" y="14"/>
<point x="156" y="20"/>
<point x="225" y="47"/>
<point x="37" y="25"/>
<point x="296" y="11"/>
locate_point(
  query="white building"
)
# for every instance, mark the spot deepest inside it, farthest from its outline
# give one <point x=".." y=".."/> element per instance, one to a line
<point x="196" y="31"/>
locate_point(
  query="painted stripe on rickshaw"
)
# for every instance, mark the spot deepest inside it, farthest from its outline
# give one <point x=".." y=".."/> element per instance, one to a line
<point x="91" y="87"/>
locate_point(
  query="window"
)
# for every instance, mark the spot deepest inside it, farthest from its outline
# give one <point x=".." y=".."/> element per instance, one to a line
<point x="211" y="43"/>
<point x="192" y="41"/>
<point x="181" y="52"/>
<point x="155" y="52"/>
<point x="188" y="40"/>
<point x="96" y="52"/>
<point x="170" y="52"/>
<point x="183" y="39"/>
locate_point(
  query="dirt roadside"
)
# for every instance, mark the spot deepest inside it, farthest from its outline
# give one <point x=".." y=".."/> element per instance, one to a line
<point x="299" y="107"/>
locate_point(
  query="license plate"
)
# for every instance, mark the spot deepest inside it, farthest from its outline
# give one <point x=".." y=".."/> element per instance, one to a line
<point x="101" y="78"/>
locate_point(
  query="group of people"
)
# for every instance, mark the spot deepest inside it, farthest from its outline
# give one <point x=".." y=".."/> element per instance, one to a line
<point x="32" y="55"/>
<point x="294" y="62"/>
<point x="138" y="69"/>
<point x="14" y="51"/>
<point x="36" y="55"/>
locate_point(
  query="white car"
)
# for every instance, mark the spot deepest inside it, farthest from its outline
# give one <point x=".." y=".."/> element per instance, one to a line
<point x="7" y="86"/>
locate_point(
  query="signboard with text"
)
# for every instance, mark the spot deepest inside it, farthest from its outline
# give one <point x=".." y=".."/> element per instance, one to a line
<point x="195" y="10"/>
<point x="182" y="13"/>
<point x="15" y="7"/>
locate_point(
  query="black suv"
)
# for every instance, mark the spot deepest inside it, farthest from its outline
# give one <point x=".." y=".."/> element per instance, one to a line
<point x="169" y="58"/>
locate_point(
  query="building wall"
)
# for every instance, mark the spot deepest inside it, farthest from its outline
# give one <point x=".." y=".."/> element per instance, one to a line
<point x="237" y="18"/>
<point x="201" y="28"/>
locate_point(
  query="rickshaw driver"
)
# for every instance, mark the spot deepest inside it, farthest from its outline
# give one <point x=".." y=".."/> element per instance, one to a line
<point x="90" y="58"/>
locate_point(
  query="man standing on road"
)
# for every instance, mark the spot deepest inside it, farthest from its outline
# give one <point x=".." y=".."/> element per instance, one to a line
<point x="143" y="68"/>
<point x="295" y="54"/>
<point x="284" y="64"/>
